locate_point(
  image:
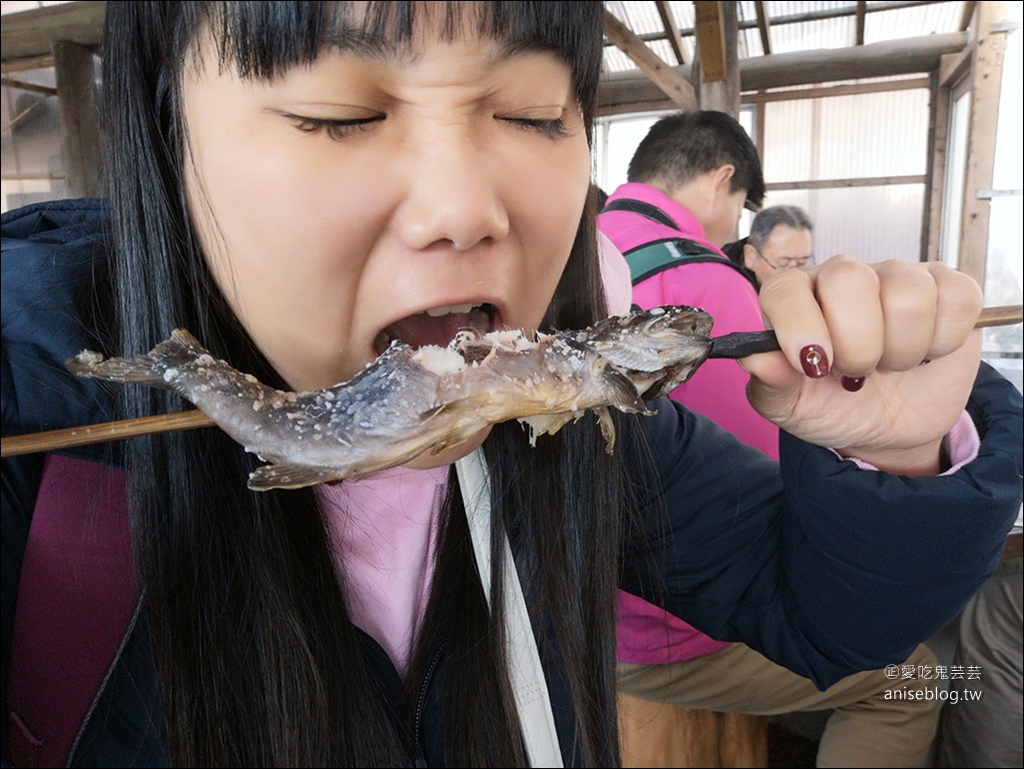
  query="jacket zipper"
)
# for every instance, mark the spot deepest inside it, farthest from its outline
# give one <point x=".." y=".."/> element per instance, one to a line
<point x="106" y="679"/>
<point x="419" y="759"/>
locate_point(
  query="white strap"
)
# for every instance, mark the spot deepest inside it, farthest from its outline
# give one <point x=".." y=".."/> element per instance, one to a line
<point x="528" y="683"/>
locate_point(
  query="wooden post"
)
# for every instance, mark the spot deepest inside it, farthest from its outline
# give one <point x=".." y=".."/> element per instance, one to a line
<point x="938" y="134"/>
<point x="717" y="66"/>
<point x="79" y="124"/>
<point x="986" y="81"/>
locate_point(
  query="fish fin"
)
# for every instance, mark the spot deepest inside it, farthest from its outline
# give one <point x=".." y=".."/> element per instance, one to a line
<point x="433" y="412"/>
<point x="452" y="408"/>
<point x="149" y="369"/>
<point x="140" y="370"/>
<point x="285" y="476"/>
<point x="671" y="378"/>
<point x="454" y="439"/>
<point x="628" y="399"/>
<point x="604" y="419"/>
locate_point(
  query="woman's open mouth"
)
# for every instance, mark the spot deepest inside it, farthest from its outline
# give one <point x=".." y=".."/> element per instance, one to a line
<point x="438" y="325"/>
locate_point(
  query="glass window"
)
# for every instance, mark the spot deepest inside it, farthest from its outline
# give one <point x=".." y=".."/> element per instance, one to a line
<point x="1004" y="346"/>
<point x="956" y="169"/>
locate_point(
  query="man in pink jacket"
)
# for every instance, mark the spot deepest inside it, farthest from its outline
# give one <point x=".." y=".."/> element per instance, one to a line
<point x="689" y="180"/>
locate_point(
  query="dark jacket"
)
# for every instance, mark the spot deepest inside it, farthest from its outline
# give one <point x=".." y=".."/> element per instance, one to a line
<point x="734" y="251"/>
<point x="825" y="568"/>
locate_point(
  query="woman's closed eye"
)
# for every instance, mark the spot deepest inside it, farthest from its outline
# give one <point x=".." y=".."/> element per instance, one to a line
<point x="554" y="128"/>
<point x="333" y="128"/>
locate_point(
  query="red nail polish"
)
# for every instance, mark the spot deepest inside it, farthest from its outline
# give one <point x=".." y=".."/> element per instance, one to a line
<point x="814" y="361"/>
<point x="852" y="383"/>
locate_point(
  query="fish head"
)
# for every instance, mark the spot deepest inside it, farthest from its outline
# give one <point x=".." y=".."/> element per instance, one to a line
<point x="673" y="338"/>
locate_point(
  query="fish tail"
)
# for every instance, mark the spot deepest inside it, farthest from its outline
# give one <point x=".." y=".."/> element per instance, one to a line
<point x="150" y="369"/>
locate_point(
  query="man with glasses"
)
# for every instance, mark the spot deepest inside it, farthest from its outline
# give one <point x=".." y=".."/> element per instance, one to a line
<point x="780" y="239"/>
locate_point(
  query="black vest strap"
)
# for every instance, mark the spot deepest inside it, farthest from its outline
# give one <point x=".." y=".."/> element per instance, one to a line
<point x="644" y="209"/>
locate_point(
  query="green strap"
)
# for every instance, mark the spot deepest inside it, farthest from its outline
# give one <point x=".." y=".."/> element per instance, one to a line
<point x="661" y="255"/>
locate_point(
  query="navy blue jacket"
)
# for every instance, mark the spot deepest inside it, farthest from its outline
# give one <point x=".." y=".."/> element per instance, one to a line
<point x="823" y="567"/>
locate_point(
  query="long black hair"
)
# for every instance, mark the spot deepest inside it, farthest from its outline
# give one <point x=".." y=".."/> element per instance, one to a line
<point x="259" y="662"/>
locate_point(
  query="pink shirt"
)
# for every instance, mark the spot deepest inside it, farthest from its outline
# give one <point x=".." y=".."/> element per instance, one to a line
<point x="384" y="530"/>
<point x="646" y="634"/>
<point x="719" y="388"/>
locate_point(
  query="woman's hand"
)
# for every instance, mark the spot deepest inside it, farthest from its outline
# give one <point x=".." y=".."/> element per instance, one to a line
<point x="877" y="360"/>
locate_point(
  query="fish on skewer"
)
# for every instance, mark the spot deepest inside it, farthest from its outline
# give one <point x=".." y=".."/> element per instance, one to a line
<point x="410" y="400"/>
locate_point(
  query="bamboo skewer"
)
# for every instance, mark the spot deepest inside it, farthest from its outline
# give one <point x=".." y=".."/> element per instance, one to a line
<point x="105" y="431"/>
<point x="737" y="345"/>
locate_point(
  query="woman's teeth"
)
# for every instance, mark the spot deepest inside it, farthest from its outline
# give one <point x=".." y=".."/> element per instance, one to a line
<point x="437" y="326"/>
<point x="456" y="309"/>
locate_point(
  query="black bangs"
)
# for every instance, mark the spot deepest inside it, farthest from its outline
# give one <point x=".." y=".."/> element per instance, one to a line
<point x="264" y="39"/>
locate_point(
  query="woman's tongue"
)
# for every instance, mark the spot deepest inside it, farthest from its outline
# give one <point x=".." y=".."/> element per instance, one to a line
<point x="421" y="330"/>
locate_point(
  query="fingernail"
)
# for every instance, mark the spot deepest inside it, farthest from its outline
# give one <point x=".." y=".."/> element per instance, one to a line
<point x="852" y="383"/>
<point x="814" y="361"/>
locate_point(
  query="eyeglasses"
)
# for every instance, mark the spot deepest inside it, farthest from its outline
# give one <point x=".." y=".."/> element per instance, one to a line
<point x="787" y="262"/>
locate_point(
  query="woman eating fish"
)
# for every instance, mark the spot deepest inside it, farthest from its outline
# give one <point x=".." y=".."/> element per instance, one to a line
<point x="314" y="188"/>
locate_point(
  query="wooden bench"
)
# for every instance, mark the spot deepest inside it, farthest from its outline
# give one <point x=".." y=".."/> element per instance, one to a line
<point x="656" y="735"/>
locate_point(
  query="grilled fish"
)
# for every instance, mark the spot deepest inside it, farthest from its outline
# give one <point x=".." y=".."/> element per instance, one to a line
<point x="409" y="400"/>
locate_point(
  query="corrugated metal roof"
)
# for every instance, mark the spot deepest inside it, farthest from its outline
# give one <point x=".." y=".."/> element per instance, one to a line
<point x="641" y="17"/>
<point x="793" y="26"/>
<point x="812" y="35"/>
<point x="902" y="23"/>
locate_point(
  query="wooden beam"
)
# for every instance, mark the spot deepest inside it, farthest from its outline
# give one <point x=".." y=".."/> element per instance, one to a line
<point x="863" y="181"/>
<point x="762" y="26"/>
<point x="672" y="31"/>
<point x="640" y="106"/>
<point x="661" y="74"/>
<point x="938" y="136"/>
<point x="967" y="15"/>
<point x="986" y="81"/>
<point x="954" y="66"/>
<point x="43" y="176"/>
<point x="711" y="39"/>
<point x="23" y="65"/>
<point x="862" y="11"/>
<point x="847" y="89"/>
<point x="29" y="34"/>
<point x="21" y="85"/>
<point x="885" y="59"/>
<point x="79" y="120"/>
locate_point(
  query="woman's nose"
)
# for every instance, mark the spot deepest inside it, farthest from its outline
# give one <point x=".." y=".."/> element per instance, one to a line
<point x="453" y="196"/>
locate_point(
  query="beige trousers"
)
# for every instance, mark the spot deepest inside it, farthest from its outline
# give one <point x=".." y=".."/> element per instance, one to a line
<point x="868" y="728"/>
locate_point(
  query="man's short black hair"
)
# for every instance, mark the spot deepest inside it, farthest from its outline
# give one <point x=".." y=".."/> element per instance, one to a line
<point x="682" y="146"/>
